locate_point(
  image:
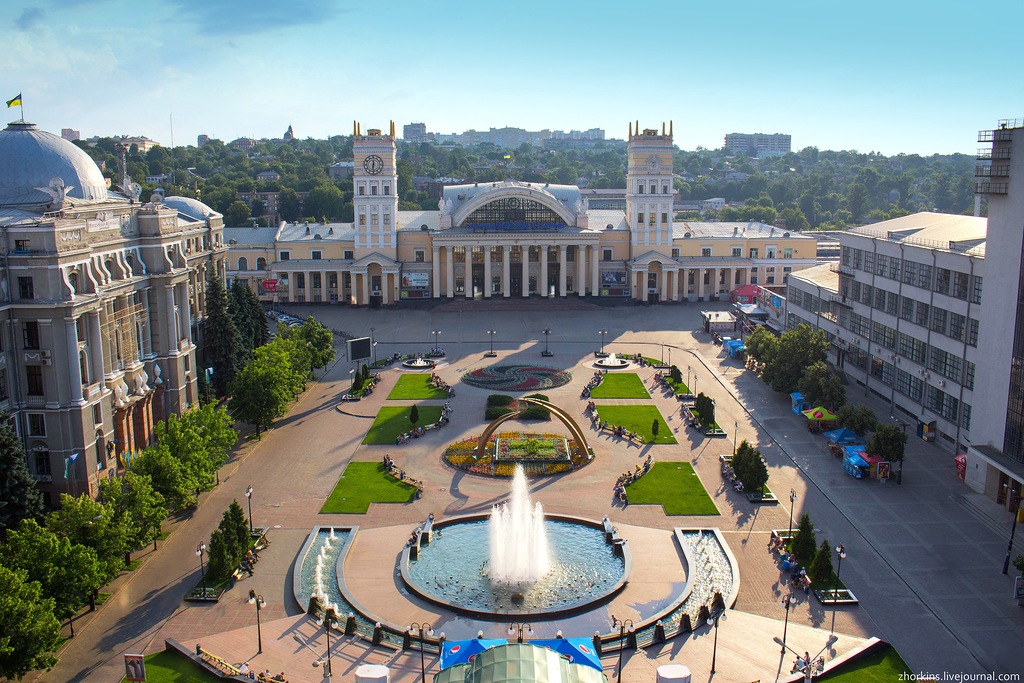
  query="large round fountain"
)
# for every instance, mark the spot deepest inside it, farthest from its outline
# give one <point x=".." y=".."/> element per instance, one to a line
<point x="517" y="561"/>
<point x="611" y="362"/>
<point x="418" y="363"/>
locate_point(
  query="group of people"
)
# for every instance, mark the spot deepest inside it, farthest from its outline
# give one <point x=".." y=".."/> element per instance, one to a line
<point x="249" y="561"/>
<point x="803" y="663"/>
<point x="593" y="383"/>
<point x="729" y="474"/>
<point x="398" y="473"/>
<point x="436" y="351"/>
<point x="438" y="383"/>
<point x="627" y="478"/>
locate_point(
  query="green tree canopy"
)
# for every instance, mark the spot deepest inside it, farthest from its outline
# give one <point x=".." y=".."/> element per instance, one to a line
<point x="138" y="507"/>
<point x="237" y="215"/>
<point x="88" y="522"/>
<point x="19" y="496"/>
<point x="222" y="349"/>
<point x="170" y="477"/>
<point x="798" y="348"/>
<point x="821" y="386"/>
<point x="750" y="468"/>
<point x="820" y="571"/>
<point x="29" y="631"/>
<point x="804" y="544"/>
<point x="762" y="345"/>
<point x="857" y="418"/>
<point x="263" y="388"/>
<point x="320" y="340"/>
<point x="888" y="441"/>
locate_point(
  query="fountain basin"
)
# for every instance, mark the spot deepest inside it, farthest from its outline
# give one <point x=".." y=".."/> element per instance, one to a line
<point x="451" y="571"/>
<point x="612" y="362"/>
<point x="418" y="363"/>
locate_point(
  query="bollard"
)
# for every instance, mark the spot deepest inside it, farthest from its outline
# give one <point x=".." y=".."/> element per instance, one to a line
<point x="659" y="632"/>
<point x="350" y="624"/>
<point x="597" y="643"/>
<point x="378" y="634"/>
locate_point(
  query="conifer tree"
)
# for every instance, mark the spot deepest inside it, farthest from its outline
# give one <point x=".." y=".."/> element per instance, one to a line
<point x="220" y="338"/>
<point x="19" y="496"/>
<point x="804" y="543"/>
<point x="414" y="414"/>
<point x="821" y="568"/>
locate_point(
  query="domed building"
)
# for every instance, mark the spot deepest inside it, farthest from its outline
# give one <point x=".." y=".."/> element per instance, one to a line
<point x="100" y="300"/>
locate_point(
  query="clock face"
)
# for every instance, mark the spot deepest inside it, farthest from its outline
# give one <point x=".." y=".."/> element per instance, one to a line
<point x="373" y="164"/>
<point x="653" y="162"/>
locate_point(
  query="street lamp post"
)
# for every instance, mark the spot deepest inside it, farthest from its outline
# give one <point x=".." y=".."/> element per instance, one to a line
<point x="547" y="332"/>
<point x="688" y="379"/>
<point x="490" y="334"/>
<point x="1013" y="529"/>
<point x="329" y="620"/>
<point x="899" y="473"/>
<point x="787" y="602"/>
<point x="419" y="632"/>
<point x="713" y="621"/>
<point x="735" y="439"/>
<point x="841" y="552"/>
<point x="248" y="497"/>
<point x="200" y="549"/>
<point x="260" y="603"/>
<point x="515" y="628"/>
<point x="436" y="333"/>
<point x="622" y="624"/>
<point x="351" y="380"/>
<point x="602" y="333"/>
<point x="792" y="504"/>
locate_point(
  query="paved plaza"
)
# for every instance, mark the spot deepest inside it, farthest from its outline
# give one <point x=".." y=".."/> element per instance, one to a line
<point x="924" y="558"/>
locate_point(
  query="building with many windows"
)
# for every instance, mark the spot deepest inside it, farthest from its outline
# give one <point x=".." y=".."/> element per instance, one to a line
<point x="100" y="302"/>
<point x="513" y="239"/>
<point x="759" y="144"/>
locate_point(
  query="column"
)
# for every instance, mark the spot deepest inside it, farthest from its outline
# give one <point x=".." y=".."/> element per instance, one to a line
<point x="435" y="272"/>
<point x="95" y="340"/>
<point x="525" y="255"/>
<point x="324" y="293"/>
<point x="542" y="283"/>
<point x="666" y="292"/>
<point x="172" y="329"/>
<point x="366" y="287"/>
<point x="291" y="285"/>
<point x="187" y="314"/>
<point x="449" y="270"/>
<point x="595" y="271"/>
<point x="563" y="266"/>
<point x="581" y="270"/>
<point x="487" y="272"/>
<point x="683" y="284"/>
<point x="506" y="271"/>
<point x="642" y="275"/>
<point x="74" y="367"/>
<point x="699" y="277"/>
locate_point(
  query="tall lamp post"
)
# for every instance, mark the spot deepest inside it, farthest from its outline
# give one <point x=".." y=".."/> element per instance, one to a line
<point x="515" y="628"/>
<point x="623" y="624"/>
<point x="329" y="620"/>
<point x="351" y="380"/>
<point x="200" y="549"/>
<point x="841" y="552"/>
<point x="602" y="333"/>
<point x="1013" y="530"/>
<point x="792" y="504"/>
<point x="490" y="333"/>
<point x="713" y="621"/>
<point x="787" y="602"/>
<point x="735" y="439"/>
<point x="436" y="333"/>
<point x="420" y="628"/>
<point x="903" y="426"/>
<point x="248" y="498"/>
<point x="547" y="332"/>
<point x="260" y="603"/>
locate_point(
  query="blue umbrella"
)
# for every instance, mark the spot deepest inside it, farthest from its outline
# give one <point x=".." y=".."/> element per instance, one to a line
<point x="461" y="651"/>
<point x="577" y="650"/>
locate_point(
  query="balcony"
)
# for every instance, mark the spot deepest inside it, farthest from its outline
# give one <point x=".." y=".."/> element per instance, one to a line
<point x="843" y="301"/>
<point x="992" y="171"/>
<point x="985" y="187"/>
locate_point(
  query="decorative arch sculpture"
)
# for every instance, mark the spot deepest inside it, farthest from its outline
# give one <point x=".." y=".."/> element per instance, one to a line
<point x="582" y="449"/>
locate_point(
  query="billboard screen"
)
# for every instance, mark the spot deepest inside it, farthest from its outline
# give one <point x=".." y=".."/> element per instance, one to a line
<point x="358" y="348"/>
<point x="416" y="280"/>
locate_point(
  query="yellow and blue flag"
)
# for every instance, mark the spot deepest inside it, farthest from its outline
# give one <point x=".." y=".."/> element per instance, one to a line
<point x="15" y="102"/>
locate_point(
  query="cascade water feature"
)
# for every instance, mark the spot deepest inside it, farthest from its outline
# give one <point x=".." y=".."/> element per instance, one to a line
<point x="518" y="537"/>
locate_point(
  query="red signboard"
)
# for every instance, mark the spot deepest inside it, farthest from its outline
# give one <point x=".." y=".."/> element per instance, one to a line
<point x="270" y="285"/>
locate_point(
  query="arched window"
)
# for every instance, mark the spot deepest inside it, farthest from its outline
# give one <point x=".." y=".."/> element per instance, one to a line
<point x="83" y="363"/>
<point x="101" y="449"/>
<point x="109" y="266"/>
<point x="243" y="263"/>
<point x="261" y="263"/>
<point x="73" y="279"/>
<point x="640" y="188"/>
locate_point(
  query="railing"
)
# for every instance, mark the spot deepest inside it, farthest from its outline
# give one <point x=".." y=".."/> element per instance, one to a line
<point x="985" y="187"/>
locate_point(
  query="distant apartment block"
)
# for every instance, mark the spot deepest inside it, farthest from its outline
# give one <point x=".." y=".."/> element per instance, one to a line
<point x="759" y="144"/>
<point x="202" y="140"/>
<point x="510" y="138"/>
<point x="70" y="134"/>
<point x="414" y="132"/>
<point x="341" y="170"/>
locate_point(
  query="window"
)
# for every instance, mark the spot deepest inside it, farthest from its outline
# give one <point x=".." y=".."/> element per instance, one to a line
<point x="976" y="290"/>
<point x="769" y="252"/>
<point x="880" y="298"/>
<point x="907" y="313"/>
<point x="909" y="272"/>
<point x="664" y="217"/>
<point x="387" y="188"/>
<point x="640" y="188"/>
<point x="882" y="265"/>
<point x="787" y="252"/>
<point x="640" y="218"/>
<point x="362" y="219"/>
<point x="675" y="253"/>
<point x="243" y="263"/>
<point x="892" y="303"/>
<point x="261" y="263"/>
<point x="705" y="251"/>
<point x="387" y="218"/>
<point x="25" y="289"/>
<point x="869" y="262"/>
<point x="965" y="418"/>
<point x="374" y="219"/>
<point x="42" y="458"/>
<point x="923" y="314"/>
<point x="957" y="325"/>
<point x="34" y="377"/>
<point x="459" y="254"/>
<point x="664" y="188"/>
<point x="3" y="385"/>
<point x="373" y="189"/>
<point x="316" y="254"/>
<point x="30" y="334"/>
<point x="753" y="252"/>
<point x="972" y="332"/>
<point x="737" y="252"/>
<point x="349" y="255"/>
<point x="960" y="285"/>
<point x="419" y="255"/>
<point x="22" y="245"/>
<point x="362" y="189"/>
<point x="943" y="278"/>
<point x="858" y="257"/>
<point x="969" y="376"/>
<point x="36" y="424"/>
<point x="606" y="254"/>
<point x="924" y="276"/>
<point x="895" y="265"/>
<point x="285" y="256"/>
<point x="939" y="320"/>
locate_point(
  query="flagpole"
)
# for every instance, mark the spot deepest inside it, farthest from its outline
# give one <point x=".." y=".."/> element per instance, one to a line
<point x="21" y="105"/>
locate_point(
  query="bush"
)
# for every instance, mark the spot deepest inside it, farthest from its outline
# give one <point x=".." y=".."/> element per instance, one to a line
<point x="494" y="412"/>
<point x="536" y="412"/>
<point x="677" y="375"/>
<point x="499" y="400"/>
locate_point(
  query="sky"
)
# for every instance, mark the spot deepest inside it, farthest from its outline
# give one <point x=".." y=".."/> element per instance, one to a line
<point x="901" y="76"/>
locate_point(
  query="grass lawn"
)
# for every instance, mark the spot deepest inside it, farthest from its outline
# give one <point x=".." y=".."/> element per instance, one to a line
<point x="363" y="483"/>
<point x="884" y="666"/>
<point x="410" y="387"/>
<point x="393" y="421"/>
<point x="638" y="419"/>
<point x="166" y="667"/>
<point x="624" y="385"/>
<point x="678" y="387"/>
<point x="675" y="487"/>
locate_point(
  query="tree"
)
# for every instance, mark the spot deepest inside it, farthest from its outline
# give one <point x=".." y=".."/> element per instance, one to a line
<point x="762" y="345"/>
<point x="677" y="376"/>
<point x="804" y="543"/>
<point x="67" y="572"/>
<point x="289" y="205"/>
<point x="888" y="442"/>
<point x="654" y="428"/>
<point x="414" y="414"/>
<point x="821" y="386"/>
<point x="750" y="468"/>
<point x="820" y="571"/>
<point x="169" y="476"/>
<point x="220" y="338"/>
<point x="325" y="200"/>
<point x="798" y="348"/>
<point x="263" y="389"/>
<point x="200" y="440"/>
<point x="19" y="496"/>
<point x="321" y="343"/>
<point x="857" y="418"/>
<point x="137" y="506"/>
<point x="29" y="631"/>
<point x="237" y="214"/>
<point x="90" y="523"/>
<point x="219" y="564"/>
<point x="238" y="525"/>
<point x="704" y="406"/>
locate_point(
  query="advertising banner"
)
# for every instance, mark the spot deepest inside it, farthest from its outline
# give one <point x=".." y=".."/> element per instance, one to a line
<point x="270" y="285"/>
<point x="416" y="280"/>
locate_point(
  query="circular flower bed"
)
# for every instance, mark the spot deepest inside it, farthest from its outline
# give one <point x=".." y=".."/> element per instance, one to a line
<point x="462" y="455"/>
<point x="517" y="377"/>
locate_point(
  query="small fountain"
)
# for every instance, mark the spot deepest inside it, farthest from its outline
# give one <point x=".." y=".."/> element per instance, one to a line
<point x="518" y="539"/>
<point x="611" y="362"/>
<point x="418" y="363"/>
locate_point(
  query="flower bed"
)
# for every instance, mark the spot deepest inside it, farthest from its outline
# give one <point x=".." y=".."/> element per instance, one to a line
<point x="517" y="377"/>
<point x="532" y="448"/>
<point x="462" y="455"/>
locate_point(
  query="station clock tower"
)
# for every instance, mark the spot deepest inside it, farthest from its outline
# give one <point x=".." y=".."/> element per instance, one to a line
<point x="649" y="188"/>
<point x="375" y="190"/>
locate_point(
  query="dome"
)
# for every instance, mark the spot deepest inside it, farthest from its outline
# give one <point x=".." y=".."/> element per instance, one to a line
<point x="30" y="158"/>
<point x="193" y="208"/>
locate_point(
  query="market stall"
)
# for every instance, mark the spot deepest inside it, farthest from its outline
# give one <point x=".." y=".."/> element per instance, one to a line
<point x="798" y="402"/>
<point x="854" y="463"/>
<point x="818" y="417"/>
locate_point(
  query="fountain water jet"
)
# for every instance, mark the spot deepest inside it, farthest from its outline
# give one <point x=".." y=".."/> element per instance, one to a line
<point x="518" y="537"/>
